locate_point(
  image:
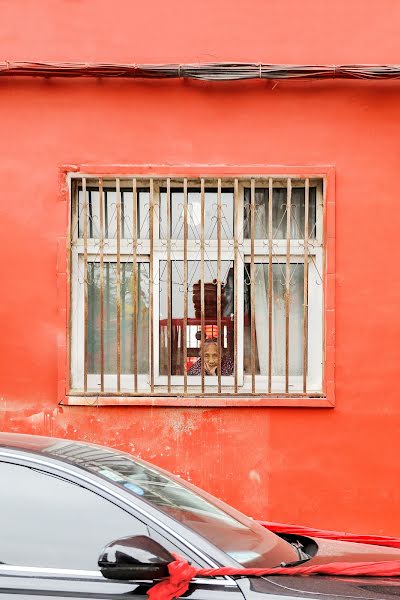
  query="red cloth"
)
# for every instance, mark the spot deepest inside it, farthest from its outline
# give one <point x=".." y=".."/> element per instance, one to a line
<point x="376" y="540"/>
<point x="181" y="573"/>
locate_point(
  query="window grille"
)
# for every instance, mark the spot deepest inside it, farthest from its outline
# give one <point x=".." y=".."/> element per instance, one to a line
<point x="196" y="287"/>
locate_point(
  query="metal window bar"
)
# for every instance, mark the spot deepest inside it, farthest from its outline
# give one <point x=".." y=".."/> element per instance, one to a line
<point x="86" y="285"/>
<point x="305" y="291"/>
<point x="101" y="224"/>
<point x="287" y="283"/>
<point x="151" y="284"/>
<point x="252" y="286"/>
<point x="169" y="282"/>
<point x="202" y="249"/>
<point x="90" y="223"/>
<point x="106" y="214"/>
<point x="185" y="283"/>
<point x="123" y="312"/>
<point x="235" y="275"/>
<point x="270" y="283"/>
<point x="134" y="283"/>
<point x="108" y="304"/>
<point x="219" y="330"/>
<point x="88" y="231"/>
<point x="118" y="286"/>
<point x="122" y="215"/>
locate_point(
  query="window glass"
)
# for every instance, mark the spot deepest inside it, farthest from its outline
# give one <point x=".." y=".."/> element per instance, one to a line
<point x="216" y="341"/>
<point x="46" y="521"/>
<point x="261" y="310"/>
<point x="110" y="317"/>
<point x="279" y="214"/>
<point x="170" y="544"/>
<point x="194" y="214"/>
<point x="110" y="213"/>
<point x="242" y="538"/>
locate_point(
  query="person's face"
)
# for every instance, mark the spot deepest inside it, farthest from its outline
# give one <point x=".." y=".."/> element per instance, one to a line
<point x="211" y="356"/>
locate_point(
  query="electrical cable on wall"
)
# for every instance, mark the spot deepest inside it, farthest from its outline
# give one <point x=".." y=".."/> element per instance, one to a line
<point x="207" y="71"/>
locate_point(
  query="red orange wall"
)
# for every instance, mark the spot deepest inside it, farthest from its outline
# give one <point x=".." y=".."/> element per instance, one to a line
<point x="333" y="468"/>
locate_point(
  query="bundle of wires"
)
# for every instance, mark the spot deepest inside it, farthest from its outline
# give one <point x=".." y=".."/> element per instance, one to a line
<point x="207" y="71"/>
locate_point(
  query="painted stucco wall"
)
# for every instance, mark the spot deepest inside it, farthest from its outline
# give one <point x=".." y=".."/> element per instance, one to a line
<point x="333" y="468"/>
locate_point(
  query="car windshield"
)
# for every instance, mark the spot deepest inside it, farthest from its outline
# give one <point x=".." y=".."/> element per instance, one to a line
<point x="243" y="539"/>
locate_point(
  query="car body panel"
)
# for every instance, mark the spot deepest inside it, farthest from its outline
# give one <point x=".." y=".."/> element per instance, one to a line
<point x="47" y="585"/>
<point x="319" y="588"/>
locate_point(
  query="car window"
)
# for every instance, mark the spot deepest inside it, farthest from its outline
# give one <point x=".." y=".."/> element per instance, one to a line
<point x="46" y="521"/>
<point x="243" y="539"/>
<point x="172" y="546"/>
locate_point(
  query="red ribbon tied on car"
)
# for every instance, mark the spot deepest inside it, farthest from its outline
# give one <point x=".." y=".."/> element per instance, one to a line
<point x="181" y="574"/>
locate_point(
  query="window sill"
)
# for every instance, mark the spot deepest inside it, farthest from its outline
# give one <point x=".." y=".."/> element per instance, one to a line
<point x="194" y="402"/>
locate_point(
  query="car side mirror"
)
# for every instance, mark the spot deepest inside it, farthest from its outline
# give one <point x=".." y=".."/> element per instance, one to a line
<point x="137" y="557"/>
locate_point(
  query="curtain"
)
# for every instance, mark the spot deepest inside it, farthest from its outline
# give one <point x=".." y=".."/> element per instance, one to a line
<point x="261" y="306"/>
<point x="261" y="295"/>
<point x="110" y="318"/>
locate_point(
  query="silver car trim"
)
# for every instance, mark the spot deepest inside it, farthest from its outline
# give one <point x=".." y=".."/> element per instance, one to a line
<point x="18" y="570"/>
<point x="10" y="569"/>
<point x="5" y="453"/>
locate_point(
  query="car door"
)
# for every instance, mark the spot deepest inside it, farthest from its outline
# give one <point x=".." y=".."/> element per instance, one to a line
<point x="53" y="531"/>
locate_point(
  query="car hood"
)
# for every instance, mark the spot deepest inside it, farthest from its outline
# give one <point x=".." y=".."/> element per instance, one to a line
<point x="337" y="551"/>
<point x="322" y="587"/>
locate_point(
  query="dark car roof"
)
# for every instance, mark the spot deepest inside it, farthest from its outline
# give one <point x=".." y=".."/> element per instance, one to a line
<point x="34" y="443"/>
<point x="70" y="451"/>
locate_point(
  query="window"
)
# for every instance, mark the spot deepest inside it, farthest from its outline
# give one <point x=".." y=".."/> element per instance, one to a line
<point x="242" y="538"/>
<point x="46" y="521"/>
<point x="197" y="287"/>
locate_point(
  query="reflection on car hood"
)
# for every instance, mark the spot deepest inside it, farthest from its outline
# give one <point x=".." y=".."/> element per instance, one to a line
<point x="327" y="587"/>
<point x="320" y="588"/>
<point x="337" y="551"/>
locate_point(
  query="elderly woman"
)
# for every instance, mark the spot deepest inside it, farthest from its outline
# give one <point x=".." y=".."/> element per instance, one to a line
<point x="211" y="354"/>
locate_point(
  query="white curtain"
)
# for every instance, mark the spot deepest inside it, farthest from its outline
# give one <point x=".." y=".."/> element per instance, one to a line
<point x="110" y="320"/>
<point x="278" y="306"/>
<point x="278" y="318"/>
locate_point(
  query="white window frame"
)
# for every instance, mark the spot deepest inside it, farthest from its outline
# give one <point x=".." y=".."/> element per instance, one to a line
<point x="316" y="301"/>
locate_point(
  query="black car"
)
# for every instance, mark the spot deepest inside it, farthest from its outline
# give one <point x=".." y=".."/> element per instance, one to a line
<point x="84" y="521"/>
